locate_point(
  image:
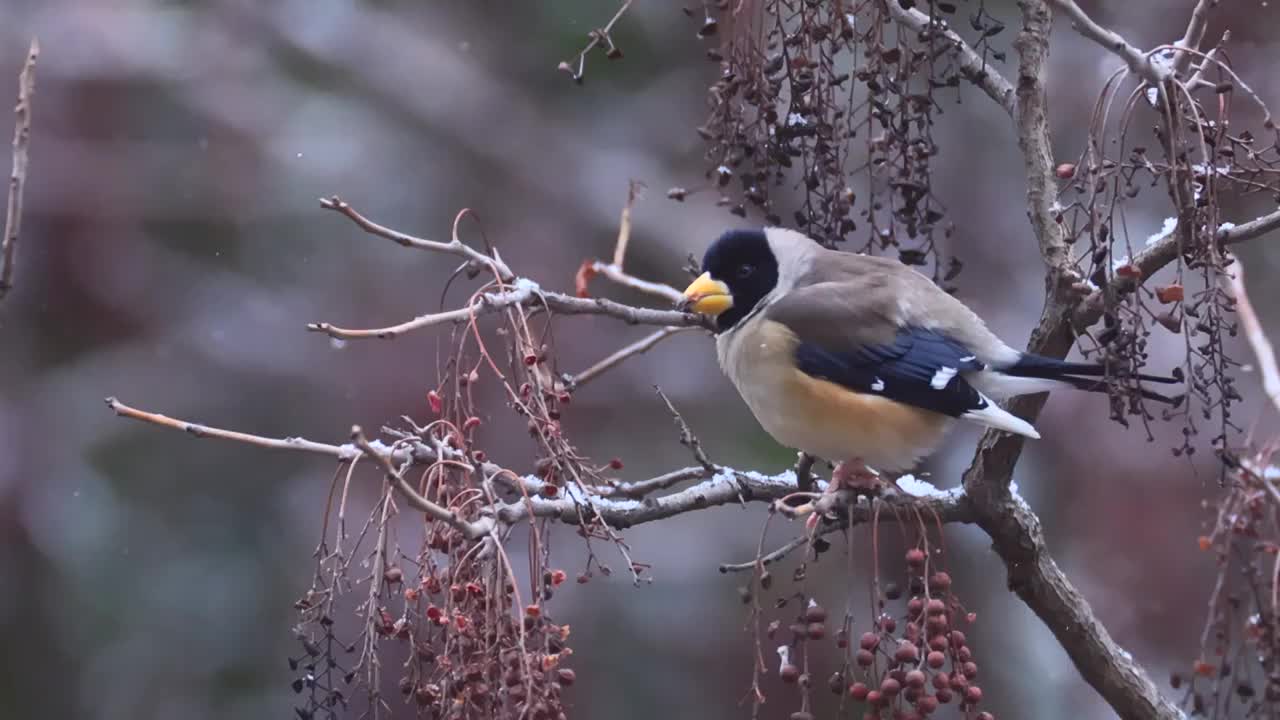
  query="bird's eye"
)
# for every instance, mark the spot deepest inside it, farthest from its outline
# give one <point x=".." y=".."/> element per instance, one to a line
<point x="746" y="271"/>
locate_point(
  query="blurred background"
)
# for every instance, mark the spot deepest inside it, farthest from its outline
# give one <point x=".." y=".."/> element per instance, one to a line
<point x="174" y="250"/>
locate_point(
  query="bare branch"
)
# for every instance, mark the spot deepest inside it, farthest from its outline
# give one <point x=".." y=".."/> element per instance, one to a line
<point x="1258" y="340"/>
<point x="525" y="292"/>
<point x="973" y="66"/>
<point x="482" y="305"/>
<point x="1139" y="62"/>
<point x="1194" y="35"/>
<point x="687" y="438"/>
<point x="469" y="530"/>
<point x="1014" y="529"/>
<point x="1162" y="252"/>
<point x="636" y="348"/>
<point x="18" y="177"/>
<point x="453" y="247"/>
<point x="599" y="37"/>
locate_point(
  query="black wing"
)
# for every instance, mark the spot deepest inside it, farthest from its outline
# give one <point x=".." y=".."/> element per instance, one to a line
<point x="918" y="367"/>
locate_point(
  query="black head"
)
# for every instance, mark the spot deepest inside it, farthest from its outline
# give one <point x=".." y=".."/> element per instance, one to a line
<point x="743" y="260"/>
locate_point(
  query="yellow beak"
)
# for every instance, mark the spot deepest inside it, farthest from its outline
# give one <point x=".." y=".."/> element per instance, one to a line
<point x="707" y="296"/>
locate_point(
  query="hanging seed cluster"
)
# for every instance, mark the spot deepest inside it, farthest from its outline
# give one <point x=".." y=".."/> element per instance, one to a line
<point x="822" y="118"/>
<point x="444" y="624"/>
<point x="1181" y="141"/>
<point x="912" y="660"/>
<point x="1237" y="673"/>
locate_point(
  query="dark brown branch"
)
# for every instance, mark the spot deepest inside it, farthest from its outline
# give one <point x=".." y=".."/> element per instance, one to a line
<point x="18" y="177"/>
<point x="1014" y="529"/>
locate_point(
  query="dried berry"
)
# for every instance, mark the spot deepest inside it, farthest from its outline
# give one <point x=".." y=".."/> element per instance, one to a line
<point x="789" y="673"/>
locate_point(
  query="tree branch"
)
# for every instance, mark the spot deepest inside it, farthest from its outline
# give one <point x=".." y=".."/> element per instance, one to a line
<point x="720" y="485"/>
<point x="1257" y="337"/>
<point x="18" y="177"/>
<point x="1014" y="529"/>
<point x="1139" y="63"/>
<point x="973" y="66"/>
<point x="1159" y="254"/>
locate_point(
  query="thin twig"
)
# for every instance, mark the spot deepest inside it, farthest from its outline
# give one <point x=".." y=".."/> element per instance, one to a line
<point x="469" y="530"/>
<point x="1194" y="35"/>
<point x="636" y="348"/>
<point x="1162" y="252"/>
<point x="1139" y="62"/>
<point x="1257" y="336"/>
<point x="453" y="247"/>
<point x="18" y="178"/>
<point x="524" y="292"/>
<point x="598" y="37"/>
<point x="687" y="438"/>
<point x="973" y="66"/>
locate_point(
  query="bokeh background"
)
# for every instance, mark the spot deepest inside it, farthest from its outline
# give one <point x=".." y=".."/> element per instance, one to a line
<point x="174" y="250"/>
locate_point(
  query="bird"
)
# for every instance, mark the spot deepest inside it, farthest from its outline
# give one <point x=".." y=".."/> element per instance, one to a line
<point x="861" y="360"/>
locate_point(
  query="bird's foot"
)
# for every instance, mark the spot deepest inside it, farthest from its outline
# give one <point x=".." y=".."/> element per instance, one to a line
<point x="854" y="475"/>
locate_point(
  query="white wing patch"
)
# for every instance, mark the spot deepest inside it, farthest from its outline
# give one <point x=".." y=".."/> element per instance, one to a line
<point x="878" y="385"/>
<point x="942" y="377"/>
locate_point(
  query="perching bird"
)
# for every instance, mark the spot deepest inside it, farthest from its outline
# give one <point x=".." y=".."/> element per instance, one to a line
<point x="861" y="360"/>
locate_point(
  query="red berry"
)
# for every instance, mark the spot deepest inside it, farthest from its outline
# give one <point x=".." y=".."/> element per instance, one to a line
<point x="816" y="630"/>
<point x="815" y="613"/>
<point x="566" y="676"/>
<point x="789" y="673"/>
<point x="936" y="607"/>
<point x="927" y="704"/>
<point x="615" y="464"/>
<point x="957" y="638"/>
<point x="906" y="652"/>
<point x="970" y="670"/>
<point x="943" y="695"/>
<point x="941" y="681"/>
<point x="869" y="641"/>
<point x="973" y="695"/>
<point x="915" y="679"/>
<point x="939" y="643"/>
<point x="874" y="698"/>
<point x="864" y="658"/>
<point x="888" y="624"/>
<point x="1065" y="171"/>
<point x="915" y="557"/>
<point x="940" y="582"/>
<point x="986" y="716"/>
<point x="915" y="606"/>
<point x="935" y="659"/>
<point x="891" y="687"/>
<point x="858" y="691"/>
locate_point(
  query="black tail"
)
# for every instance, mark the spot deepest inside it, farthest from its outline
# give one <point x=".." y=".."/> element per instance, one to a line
<point x="1080" y="375"/>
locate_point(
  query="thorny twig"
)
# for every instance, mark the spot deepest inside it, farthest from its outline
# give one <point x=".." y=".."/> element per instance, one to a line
<point x="18" y="177"/>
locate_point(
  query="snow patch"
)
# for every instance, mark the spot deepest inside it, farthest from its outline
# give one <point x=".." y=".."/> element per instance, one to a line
<point x="1170" y="224"/>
